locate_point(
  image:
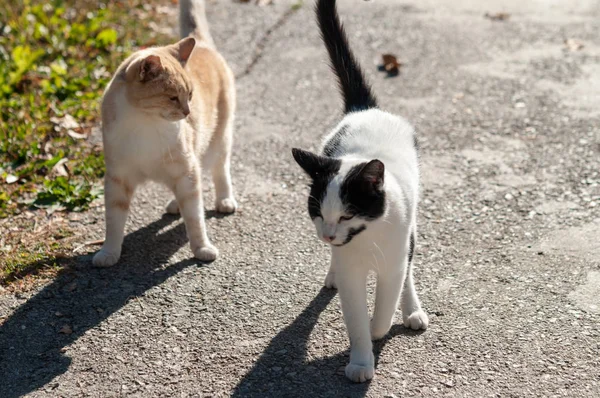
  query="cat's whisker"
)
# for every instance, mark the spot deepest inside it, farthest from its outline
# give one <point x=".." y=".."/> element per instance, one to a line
<point x="376" y="265"/>
<point x="380" y="251"/>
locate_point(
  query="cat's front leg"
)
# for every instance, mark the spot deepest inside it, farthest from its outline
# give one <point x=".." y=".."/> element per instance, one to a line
<point x="118" y="192"/>
<point x="387" y="296"/>
<point x="353" y="296"/>
<point x="188" y="193"/>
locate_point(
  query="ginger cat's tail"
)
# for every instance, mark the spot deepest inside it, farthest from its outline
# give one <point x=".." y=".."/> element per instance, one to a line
<point x="192" y="21"/>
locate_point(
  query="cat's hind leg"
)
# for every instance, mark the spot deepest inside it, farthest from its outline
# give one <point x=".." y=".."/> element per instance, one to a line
<point x="412" y="314"/>
<point x="172" y="207"/>
<point x="219" y="156"/>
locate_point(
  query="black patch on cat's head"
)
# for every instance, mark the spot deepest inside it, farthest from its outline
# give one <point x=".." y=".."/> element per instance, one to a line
<point x="331" y="147"/>
<point x="362" y="190"/>
<point x="321" y="170"/>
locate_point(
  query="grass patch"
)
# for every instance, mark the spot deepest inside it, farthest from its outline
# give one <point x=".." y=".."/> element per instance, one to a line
<point x="56" y="58"/>
<point x="30" y="247"/>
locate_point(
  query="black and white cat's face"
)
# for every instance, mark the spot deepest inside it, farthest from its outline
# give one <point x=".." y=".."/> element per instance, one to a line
<point x="344" y="198"/>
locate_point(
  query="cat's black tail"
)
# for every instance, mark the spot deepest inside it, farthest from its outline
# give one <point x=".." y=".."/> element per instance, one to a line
<point x="356" y="91"/>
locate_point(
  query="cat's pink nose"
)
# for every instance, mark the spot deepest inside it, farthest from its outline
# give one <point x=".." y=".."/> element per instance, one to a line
<point x="330" y="238"/>
<point x="186" y="112"/>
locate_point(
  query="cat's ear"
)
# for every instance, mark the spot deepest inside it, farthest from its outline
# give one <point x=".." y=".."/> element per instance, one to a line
<point x="183" y="49"/>
<point x="314" y="164"/>
<point x="373" y="173"/>
<point x="150" y="68"/>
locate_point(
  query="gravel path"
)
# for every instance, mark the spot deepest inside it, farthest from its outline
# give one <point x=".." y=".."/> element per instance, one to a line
<point x="508" y="256"/>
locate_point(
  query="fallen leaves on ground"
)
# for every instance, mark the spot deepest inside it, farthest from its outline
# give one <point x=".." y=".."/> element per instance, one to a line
<point x="573" y="45"/>
<point x="497" y="16"/>
<point x="260" y="3"/>
<point x="391" y="64"/>
<point x="66" y="329"/>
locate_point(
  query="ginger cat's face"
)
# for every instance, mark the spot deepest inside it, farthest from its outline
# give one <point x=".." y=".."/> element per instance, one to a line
<point x="157" y="83"/>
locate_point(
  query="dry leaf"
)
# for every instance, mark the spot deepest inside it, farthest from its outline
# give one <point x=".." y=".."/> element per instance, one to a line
<point x="573" y="44"/>
<point x="71" y="287"/>
<point x="60" y="168"/>
<point x="498" y="16"/>
<point x="391" y="64"/>
<point x="66" y="329"/>
<point x="67" y="122"/>
<point x="75" y="135"/>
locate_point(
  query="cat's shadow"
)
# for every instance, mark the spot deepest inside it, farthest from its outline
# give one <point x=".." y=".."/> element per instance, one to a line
<point x="283" y="369"/>
<point x="32" y="338"/>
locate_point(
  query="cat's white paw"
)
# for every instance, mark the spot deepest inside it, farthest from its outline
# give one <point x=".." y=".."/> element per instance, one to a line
<point x="417" y="320"/>
<point x="227" y="205"/>
<point x="361" y="369"/>
<point x="330" y="281"/>
<point x="172" y="207"/>
<point x="359" y="373"/>
<point x="379" y="331"/>
<point x="104" y="258"/>
<point x="206" y="253"/>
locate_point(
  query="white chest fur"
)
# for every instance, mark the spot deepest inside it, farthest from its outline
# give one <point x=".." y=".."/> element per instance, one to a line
<point x="141" y="143"/>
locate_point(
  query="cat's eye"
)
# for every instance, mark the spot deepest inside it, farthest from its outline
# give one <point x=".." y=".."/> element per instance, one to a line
<point x="174" y="99"/>
<point x="345" y="218"/>
<point x="190" y="96"/>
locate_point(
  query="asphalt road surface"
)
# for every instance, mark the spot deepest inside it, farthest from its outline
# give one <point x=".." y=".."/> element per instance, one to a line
<point x="508" y="254"/>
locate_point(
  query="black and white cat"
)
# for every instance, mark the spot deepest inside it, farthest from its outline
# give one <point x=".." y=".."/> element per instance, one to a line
<point x="363" y="202"/>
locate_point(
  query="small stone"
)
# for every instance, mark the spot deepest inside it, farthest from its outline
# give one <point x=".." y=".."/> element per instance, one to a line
<point x="66" y="329"/>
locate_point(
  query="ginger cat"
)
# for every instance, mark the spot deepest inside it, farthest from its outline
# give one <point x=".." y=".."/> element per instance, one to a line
<point x="168" y="114"/>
